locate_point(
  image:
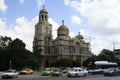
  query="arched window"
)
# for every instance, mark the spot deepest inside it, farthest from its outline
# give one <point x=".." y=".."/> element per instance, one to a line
<point x="45" y="17"/>
<point x="77" y="48"/>
<point x="67" y="50"/>
<point x="42" y="17"/>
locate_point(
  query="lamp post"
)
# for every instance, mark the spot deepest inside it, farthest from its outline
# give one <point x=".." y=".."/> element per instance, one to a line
<point x="90" y="39"/>
<point x="90" y="65"/>
<point x="10" y="64"/>
<point x="114" y="44"/>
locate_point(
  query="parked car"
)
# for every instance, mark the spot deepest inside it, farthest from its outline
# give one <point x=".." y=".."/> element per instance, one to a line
<point x="112" y="72"/>
<point x="65" y="69"/>
<point x="47" y="71"/>
<point x="57" y="72"/>
<point x="75" y="72"/>
<point x="10" y="73"/>
<point x="26" y="71"/>
<point x="96" y="71"/>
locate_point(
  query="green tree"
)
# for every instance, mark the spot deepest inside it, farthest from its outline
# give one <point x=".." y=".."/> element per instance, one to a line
<point x="90" y="62"/>
<point x="19" y="56"/>
<point x="4" y="41"/>
<point x="106" y="55"/>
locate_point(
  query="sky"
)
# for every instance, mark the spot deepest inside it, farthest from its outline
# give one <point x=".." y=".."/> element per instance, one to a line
<point x="97" y="20"/>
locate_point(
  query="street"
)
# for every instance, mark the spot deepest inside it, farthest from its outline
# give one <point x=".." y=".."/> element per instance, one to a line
<point x="37" y="76"/>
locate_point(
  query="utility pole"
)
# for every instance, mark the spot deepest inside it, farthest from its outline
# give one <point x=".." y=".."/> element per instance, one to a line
<point x="10" y="64"/>
<point x="114" y="44"/>
<point x="90" y="39"/>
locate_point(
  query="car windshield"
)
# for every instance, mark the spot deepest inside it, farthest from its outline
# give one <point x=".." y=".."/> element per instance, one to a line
<point x="111" y="69"/>
<point x="47" y="69"/>
<point x="9" y="71"/>
<point x="74" y="70"/>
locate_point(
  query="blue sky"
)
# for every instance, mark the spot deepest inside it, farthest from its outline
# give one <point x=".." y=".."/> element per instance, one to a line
<point x="97" y="20"/>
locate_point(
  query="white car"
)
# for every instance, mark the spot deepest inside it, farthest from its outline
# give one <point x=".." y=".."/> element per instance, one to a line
<point x="10" y="73"/>
<point x="75" y="72"/>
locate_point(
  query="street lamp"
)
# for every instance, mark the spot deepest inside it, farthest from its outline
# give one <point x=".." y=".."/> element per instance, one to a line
<point x="90" y="39"/>
<point x="10" y="64"/>
<point x="114" y="44"/>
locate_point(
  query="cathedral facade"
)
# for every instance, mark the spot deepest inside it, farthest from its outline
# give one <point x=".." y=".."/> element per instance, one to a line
<point x="62" y="47"/>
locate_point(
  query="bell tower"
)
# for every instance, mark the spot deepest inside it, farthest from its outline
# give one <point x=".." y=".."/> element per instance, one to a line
<point x="43" y="15"/>
<point x="43" y="33"/>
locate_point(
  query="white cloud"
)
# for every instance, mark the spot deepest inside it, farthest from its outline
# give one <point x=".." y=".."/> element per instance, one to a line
<point x="54" y="27"/>
<point x="99" y="42"/>
<point x="23" y="30"/>
<point x="40" y="2"/>
<point x="22" y="1"/>
<point x="76" y="20"/>
<point x="3" y="7"/>
<point x="103" y="17"/>
<point x="72" y="34"/>
<point x="2" y="26"/>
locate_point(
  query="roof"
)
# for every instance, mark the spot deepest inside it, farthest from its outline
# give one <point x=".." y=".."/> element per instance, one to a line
<point x="105" y="63"/>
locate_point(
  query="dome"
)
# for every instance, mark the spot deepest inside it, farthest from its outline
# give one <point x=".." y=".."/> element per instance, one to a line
<point x="63" y="27"/>
<point x="80" y="36"/>
<point x="43" y="10"/>
<point x="63" y="30"/>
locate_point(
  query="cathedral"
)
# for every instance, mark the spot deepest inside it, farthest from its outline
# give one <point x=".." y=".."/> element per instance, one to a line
<point x="62" y="47"/>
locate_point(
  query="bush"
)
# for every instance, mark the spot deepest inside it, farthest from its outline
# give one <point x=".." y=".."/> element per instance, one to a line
<point x="65" y="62"/>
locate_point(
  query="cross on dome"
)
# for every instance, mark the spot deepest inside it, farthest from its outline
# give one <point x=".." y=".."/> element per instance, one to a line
<point x="43" y="6"/>
<point x="62" y="22"/>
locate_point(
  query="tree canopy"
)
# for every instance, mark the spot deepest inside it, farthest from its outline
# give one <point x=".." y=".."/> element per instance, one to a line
<point x="14" y="51"/>
<point x="104" y="55"/>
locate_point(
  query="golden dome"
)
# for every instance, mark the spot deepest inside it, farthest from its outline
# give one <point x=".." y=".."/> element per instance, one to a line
<point x="63" y="30"/>
<point x="61" y="33"/>
<point x="43" y="10"/>
<point x="63" y="27"/>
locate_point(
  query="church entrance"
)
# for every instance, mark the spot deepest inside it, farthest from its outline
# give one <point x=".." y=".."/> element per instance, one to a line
<point x="46" y="63"/>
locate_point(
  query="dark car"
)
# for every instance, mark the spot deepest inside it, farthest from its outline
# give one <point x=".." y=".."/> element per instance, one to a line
<point x="112" y="72"/>
<point x="96" y="71"/>
<point x="57" y="72"/>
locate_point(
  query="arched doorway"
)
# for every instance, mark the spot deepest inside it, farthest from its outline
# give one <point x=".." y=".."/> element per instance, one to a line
<point x="46" y="63"/>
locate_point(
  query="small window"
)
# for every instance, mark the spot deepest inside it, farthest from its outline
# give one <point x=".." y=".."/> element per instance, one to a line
<point x="75" y="70"/>
<point x="79" y="69"/>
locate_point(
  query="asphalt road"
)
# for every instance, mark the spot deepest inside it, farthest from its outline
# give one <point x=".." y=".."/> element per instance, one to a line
<point x="37" y="76"/>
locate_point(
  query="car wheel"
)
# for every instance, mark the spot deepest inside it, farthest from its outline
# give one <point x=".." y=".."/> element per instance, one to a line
<point x="76" y="75"/>
<point x="2" y="77"/>
<point x="85" y="75"/>
<point x="113" y="74"/>
<point x="68" y="76"/>
<point x="105" y="74"/>
<point x="16" y="76"/>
